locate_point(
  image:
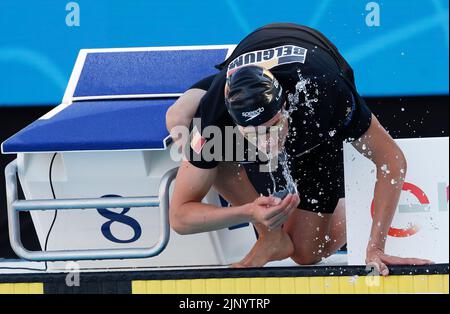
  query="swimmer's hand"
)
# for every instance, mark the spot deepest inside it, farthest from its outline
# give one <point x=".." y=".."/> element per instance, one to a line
<point x="379" y="260"/>
<point x="271" y="211"/>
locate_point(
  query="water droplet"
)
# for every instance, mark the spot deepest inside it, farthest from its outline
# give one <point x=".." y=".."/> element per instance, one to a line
<point x="385" y="169"/>
<point x="353" y="279"/>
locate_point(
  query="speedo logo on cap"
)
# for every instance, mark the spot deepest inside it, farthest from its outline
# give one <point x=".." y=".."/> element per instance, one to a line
<point x="252" y="114"/>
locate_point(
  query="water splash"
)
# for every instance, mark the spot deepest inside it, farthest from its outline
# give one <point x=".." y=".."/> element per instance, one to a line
<point x="301" y="87"/>
<point x="272" y="177"/>
<point x="291" y="185"/>
<point x="384" y="168"/>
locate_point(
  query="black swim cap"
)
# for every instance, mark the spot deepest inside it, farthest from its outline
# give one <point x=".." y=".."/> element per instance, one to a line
<point x="253" y="96"/>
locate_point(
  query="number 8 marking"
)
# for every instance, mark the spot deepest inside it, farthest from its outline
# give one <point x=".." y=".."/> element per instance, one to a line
<point x="122" y="218"/>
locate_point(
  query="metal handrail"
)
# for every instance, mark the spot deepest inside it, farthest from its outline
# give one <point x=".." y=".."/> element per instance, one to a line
<point x="85" y="203"/>
<point x="14" y="206"/>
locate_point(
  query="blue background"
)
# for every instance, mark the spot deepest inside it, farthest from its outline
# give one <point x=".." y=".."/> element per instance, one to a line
<point x="406" y="55"/>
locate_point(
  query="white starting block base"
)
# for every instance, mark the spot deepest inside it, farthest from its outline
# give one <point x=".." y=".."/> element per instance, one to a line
<point x="126" y="174"/>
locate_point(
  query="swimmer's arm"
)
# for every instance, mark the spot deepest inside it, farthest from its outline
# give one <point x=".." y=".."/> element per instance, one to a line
<point x="187" y="213"/>
<point x="183" y="110"/>
<point x="234" y="184"/>
<point x="386" y="154"/>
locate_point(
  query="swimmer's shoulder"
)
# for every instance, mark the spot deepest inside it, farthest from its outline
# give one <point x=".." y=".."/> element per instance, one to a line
<point x="205" y="83"/>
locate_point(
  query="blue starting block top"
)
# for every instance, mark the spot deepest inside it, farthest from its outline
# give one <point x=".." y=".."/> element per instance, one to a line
<point x="97" y="125"/>
<point x="145" y="72"/>
<point x="117" y="100"/>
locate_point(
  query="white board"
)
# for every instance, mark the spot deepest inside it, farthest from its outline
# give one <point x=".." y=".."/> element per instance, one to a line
<point x="421" y="224"/>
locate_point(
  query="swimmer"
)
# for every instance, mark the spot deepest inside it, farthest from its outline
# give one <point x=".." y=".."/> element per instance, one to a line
<point x="290" y="93"/>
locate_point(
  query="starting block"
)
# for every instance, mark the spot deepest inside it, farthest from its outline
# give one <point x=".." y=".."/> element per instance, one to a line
<point x="105" y="149"/>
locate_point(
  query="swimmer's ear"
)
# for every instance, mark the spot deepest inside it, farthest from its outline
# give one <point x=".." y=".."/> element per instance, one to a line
<point x="226" y="89"/>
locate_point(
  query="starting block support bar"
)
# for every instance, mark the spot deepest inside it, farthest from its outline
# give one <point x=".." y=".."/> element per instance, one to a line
<point x="14" y="206"/>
